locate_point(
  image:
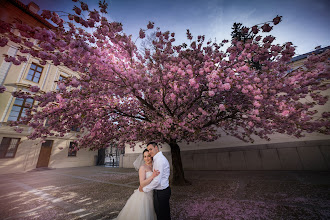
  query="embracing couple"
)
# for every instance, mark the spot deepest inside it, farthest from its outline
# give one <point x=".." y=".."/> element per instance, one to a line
<point x="151" y="200"/>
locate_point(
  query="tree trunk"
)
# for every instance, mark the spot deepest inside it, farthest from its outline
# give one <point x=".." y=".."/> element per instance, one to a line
<point x="178" y="173"/>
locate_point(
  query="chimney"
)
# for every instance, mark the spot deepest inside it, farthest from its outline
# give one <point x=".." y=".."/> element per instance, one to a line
<point x="33" y="7"/>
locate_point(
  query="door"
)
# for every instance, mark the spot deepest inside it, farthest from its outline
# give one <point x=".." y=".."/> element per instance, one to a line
<point x="45" y="152"/>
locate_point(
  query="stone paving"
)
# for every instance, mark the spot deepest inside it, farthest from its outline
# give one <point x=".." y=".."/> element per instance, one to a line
<point x="101" y="192"/>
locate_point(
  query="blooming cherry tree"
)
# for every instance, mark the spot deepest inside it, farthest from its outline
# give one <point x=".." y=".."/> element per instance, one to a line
<point x="168" y="93"/>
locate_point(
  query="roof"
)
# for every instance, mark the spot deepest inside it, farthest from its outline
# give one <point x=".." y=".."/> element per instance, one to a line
<point x="26" y="9"/>
<point x="303" y="56"/>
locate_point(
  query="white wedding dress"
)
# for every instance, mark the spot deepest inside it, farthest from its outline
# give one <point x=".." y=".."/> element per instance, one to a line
<point x="140" y="206"/>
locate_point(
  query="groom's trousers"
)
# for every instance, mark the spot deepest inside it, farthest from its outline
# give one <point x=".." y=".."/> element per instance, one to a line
<point x="162" y="203"/>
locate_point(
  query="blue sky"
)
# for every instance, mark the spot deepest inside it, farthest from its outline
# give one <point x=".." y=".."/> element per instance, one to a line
<point x="306" y="23"/>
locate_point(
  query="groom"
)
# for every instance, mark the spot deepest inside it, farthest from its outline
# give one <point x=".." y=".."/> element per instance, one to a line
<point x="160" y="184"/>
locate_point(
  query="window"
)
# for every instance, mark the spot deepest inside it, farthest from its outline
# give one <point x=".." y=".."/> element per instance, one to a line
<point x="61" y="78"/>
<point x="75" y="128"/>
<point x="72" y="152"/>
<point x="8" y="147"/>
<point x="19" y="108"/>
<point x="34" y="73"/>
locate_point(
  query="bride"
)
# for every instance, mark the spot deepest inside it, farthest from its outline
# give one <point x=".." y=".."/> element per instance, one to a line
<point x="140" y="205"/>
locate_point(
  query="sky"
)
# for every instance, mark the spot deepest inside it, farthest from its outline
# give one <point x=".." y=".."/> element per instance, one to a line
<point x="306" y="23"/>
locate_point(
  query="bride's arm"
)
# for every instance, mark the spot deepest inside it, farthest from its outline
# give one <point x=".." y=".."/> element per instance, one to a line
<point x="142" y="177"/>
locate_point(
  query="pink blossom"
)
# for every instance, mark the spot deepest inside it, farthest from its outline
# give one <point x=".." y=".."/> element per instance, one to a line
<point x="9" y="59"/>
<point x="94" y="15"/>
<point x="84" y="6"/>
<point x="173" y="96"/>
<point x="222" y="107"/>
<point x="91" y="22"/>
<point x="245" y="30"/>
<point x="142" y="34"/>
<point x="192" y="81"/>
<point x="244" y="68"/>
<point x="42" y="62"/>
<point x="211" y="85"/>
<point x="255" y="112"/>
<point x="266" y="28"/>
<point x="70" y="17"/>
<point x="256" y="104"/>
<point x="226" y="86"/>
<point x="17" y="62"/>
<point x="77" y="10"/>
<point x="61" y="86"/>
<point x="46" y="14"/>
<point x="150" y="25"/>
<point x="256" y="79"/>
<point x="202" y="111"/>
<point x="21" y="58"/>
<point x="3" y="42"/>
<point x="15" y="39"/>
<point x="277" y="20"/>
<point x="74" y="82"/>
<point x="285" y="113"/>
<point x="255" y="29"/>
<point x="28" y="44"/>
<point x="268" y="39"/>
<point x="211" y="93"/>
<point x="59" y="97"/>
<point x="249" y="87"/>
<point x="189" y="35"/>
<point x="34" y="88"/>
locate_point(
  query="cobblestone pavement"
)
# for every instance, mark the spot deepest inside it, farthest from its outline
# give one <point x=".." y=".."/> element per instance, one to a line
<point x="101" y="192"/>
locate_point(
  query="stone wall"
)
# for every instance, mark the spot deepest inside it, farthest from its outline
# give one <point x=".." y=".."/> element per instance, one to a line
<point x="302" y="155"/>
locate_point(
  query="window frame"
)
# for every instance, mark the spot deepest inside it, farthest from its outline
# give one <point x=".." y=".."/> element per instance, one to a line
<point x="22" y="107"/>
<point x="35" y="70"/>
<point x="5" y="150"/>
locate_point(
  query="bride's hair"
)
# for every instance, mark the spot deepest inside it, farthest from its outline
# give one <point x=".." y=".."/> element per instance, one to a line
<point x="145" y="150"/>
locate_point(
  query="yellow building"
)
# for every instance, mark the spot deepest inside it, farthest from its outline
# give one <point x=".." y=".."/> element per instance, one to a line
<point x="17" y="153"/>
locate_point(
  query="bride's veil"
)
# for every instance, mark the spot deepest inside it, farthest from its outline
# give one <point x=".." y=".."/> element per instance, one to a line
<point x="138" y="162"/>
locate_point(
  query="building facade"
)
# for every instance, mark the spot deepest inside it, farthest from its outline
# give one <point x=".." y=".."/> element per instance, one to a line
<point x="283" y="152"/>
<point x="17" y="153"/>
